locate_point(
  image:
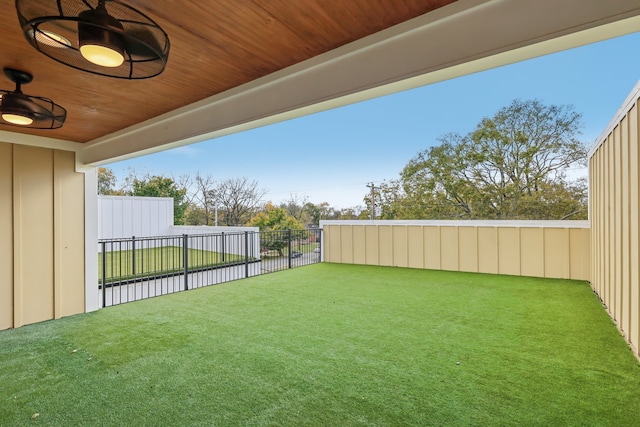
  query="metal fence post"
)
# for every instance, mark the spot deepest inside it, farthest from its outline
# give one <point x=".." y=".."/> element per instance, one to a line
<point x="289" y="246"/>
<point x="246" y="254"/>
<point x="223" y="248"/>
<point x="133" y="255"/>
<point x="104" y="274"/>
<point x="185" y="260"/>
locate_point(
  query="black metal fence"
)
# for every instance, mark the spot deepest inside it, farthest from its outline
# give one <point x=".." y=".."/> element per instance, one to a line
<point x="138" y="268"/>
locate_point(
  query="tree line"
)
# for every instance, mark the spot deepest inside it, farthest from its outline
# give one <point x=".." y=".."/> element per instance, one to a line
<point x="513" y="165"/>
<point x="202" y="200"/>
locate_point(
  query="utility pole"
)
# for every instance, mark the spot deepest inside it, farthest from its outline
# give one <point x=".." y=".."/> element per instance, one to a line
<point x="373" y="199"/>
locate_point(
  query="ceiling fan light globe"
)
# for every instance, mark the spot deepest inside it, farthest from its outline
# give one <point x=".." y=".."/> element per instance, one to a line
<point x="17" y="119"/>
<point x="102" y="55"/>
<point x="101" y="39"/>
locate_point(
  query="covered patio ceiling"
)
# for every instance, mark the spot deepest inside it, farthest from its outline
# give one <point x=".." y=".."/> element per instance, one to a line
<point x="239" y="64"/>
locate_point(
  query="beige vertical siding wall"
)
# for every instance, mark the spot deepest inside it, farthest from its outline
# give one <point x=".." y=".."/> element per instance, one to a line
<point x="524" y="248"/>
<point x="42" y="235"/>
<point x="615" y="212"/>
<point x="6" y="236"/>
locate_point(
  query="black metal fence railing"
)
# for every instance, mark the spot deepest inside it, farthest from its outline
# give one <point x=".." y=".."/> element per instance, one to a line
<point x="138" y="268"/>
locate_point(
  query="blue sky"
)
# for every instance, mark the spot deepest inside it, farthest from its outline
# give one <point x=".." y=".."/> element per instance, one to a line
<point x="331" y="156"/>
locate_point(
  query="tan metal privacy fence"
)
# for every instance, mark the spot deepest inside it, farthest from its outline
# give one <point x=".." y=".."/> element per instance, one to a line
<point x="557" y="249"/>
<point x="614" y="206"/>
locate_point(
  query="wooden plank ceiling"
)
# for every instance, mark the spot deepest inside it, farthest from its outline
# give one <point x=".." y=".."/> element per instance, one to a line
<point x="216" y="45"/>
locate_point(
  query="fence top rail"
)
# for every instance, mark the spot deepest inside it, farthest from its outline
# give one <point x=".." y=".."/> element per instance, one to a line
<point x="173" y="236"/>
<point x="137" y="239"/>
<point x="220" y="234"/>
<point x="464" y="223"/>
<point x="223" y="233"/>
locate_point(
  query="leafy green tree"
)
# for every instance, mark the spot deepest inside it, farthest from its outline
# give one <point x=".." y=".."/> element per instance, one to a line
<point x="349" y="213"/>
<point x="512" y="166"/>
<point x="388" y="198"/>
<point x="277" y="220"/>
<point x="560" y="201"/>
<point x="273" y="218"/>
<point x="327" y="211"/>
<point x="162" y="186"/>
<point x="195" y="215"/>
<point x="107" y="183"/>
<point x="314" y="213"/>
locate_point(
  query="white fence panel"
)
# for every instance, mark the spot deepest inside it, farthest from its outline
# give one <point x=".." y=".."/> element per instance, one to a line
<point x="124" y="216"/>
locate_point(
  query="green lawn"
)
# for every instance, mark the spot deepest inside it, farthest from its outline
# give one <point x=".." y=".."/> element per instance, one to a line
<point x="330" y="345"/>
<point x="167" y="259"/>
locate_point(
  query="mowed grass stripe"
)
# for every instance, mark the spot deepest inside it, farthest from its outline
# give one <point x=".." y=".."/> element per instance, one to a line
<point x="331" y="345"/>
